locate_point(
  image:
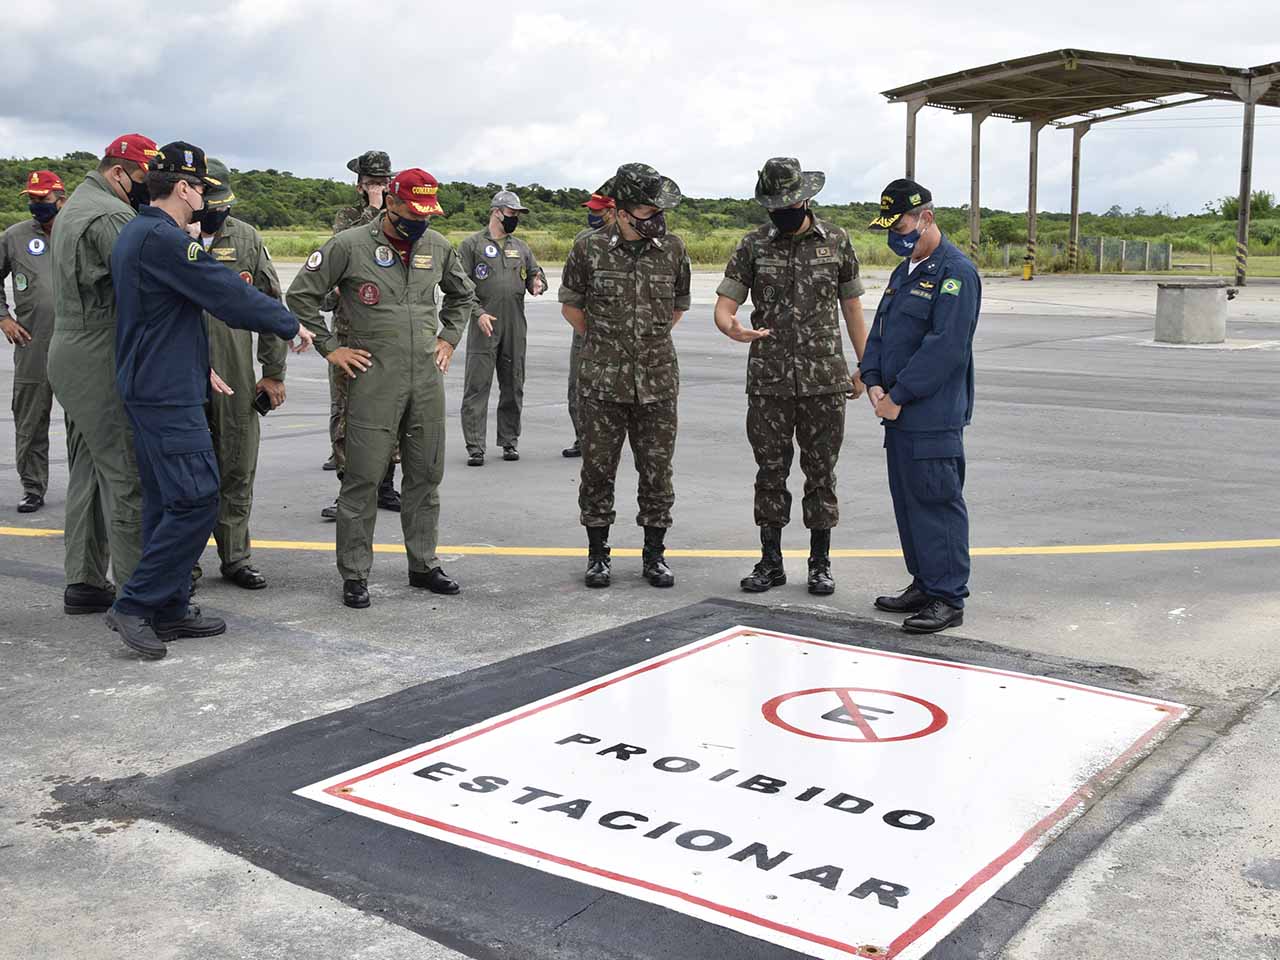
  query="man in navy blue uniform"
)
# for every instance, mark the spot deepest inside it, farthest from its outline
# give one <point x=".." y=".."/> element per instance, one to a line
<point x="164" y="281"/>
<point x="918" y="370"/>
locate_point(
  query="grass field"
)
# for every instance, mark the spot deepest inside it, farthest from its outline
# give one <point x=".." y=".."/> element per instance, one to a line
<point x="711" y="250"/>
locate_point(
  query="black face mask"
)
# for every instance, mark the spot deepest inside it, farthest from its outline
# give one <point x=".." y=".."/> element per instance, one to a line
<point x="789" y="219"/>
<point x="139" y="195"/>
<point x="653" y="228"/>
<point x="212" y="219"/>
<point x="509" y="224"/>
<point x="43" y="212"/>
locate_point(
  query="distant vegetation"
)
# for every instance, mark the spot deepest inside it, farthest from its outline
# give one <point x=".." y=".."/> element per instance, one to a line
<point x="300" y="210"/>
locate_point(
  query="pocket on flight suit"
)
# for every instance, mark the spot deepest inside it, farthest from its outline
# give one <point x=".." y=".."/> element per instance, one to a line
<point x="188" y="469"/>
<point x="936" y="475"/>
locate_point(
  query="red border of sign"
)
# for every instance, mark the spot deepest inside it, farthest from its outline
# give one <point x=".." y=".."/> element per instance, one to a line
<point x="918" y="929"/>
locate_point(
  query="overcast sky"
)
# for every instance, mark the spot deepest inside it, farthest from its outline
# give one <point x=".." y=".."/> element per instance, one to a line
<point x="563" y="93"/>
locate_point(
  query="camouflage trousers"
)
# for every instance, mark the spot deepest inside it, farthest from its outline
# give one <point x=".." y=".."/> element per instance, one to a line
<point x="603" y="426"/>
<point x="574" y="349"/>
<point x="817" y="424"/>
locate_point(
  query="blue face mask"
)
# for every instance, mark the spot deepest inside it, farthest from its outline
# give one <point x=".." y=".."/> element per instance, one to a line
<point x="43" y="212"/>
<point x="595" y="221"/>
<point x="903" y="243"/>
<point x="406" y="229"/>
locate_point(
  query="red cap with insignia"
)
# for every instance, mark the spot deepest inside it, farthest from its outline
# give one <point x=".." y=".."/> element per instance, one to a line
<point x="599" y="203"/>
<point x="41" y="183"/>
<point x="418" y="189"/>
<point x="132" y="146"/>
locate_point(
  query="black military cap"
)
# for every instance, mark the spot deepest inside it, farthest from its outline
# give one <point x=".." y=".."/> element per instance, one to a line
<point x="183" y="159"/>
<point x="371" y="163"/>
<point x="899" y="197"/>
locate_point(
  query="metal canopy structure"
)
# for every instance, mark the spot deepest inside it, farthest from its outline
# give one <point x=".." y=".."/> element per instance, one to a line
<point x="1075" y="90"/>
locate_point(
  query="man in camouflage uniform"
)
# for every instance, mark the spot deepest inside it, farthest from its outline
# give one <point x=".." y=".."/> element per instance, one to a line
<point x="797" y="269"/>
<point x="599" y="215"/>
<point x="24" y="253"/>
<point x="503" y="269"/>
<point x="104" y="490"/>
<point x="399" y="345"/>
<point x="623" y="289"/>
<point x="373" y="172"/>
<point x="233" y="419"/>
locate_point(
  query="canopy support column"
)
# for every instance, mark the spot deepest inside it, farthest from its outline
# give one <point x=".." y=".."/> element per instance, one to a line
<point x="913" y="107"/>
<point x="1249" y="92"/>
<point x="1078" y="133"/>
<point x="975" y="170"/>
<point x="1033" y="156"/>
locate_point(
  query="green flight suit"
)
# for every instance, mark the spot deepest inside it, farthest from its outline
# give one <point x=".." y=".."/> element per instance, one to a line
<point x="628" y="375"/>
<point x="82" y="371"/>
<point x="502" y="271"/>
<point x="392" y="312"/>
<point x="233" y="420"/>
<point x="24" y="254"/>
<point x="346" y="218"/>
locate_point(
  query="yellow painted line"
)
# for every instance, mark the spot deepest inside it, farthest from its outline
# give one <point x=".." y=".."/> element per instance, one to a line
<point x="481" y="550"/>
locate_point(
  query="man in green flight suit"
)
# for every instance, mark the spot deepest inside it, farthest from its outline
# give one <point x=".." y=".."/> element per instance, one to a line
<point x="104" y="491"/>
<point x="802" y="275"/>
<point x="232" y="417"/>
<point x="397" y="352"/>
<point x="24" y="253"/>
<point x="373" y="172"/>
<point x="624" y="288"/>
<point x="599" y="215"/>
<point x="503" y="269"/>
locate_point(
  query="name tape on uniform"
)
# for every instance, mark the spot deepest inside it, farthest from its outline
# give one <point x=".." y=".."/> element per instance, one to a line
<point x="831" y="799"/>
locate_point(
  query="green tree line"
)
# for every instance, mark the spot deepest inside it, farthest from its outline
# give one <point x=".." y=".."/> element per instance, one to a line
<point x="277" y="200"/>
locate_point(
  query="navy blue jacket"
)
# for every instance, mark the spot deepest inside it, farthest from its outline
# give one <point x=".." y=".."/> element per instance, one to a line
<point x="920" y="346"/>
<point x="164" y="281"/>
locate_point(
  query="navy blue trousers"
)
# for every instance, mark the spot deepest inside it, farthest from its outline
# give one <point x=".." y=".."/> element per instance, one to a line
<point x="179" y="476"/>
<point x="926" y="480"/>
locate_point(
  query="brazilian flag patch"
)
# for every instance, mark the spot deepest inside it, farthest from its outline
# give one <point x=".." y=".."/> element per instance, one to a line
<point x="193" y="252"/>
<point x="952" y="286"/>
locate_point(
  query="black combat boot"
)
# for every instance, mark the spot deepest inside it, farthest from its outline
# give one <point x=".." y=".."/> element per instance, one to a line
<point x="597" y="557"/>
<point x="768" y="572"/>
<point x="656" y="570"/>
<point x="388" y="497"/>
<point x="820" y="582"/>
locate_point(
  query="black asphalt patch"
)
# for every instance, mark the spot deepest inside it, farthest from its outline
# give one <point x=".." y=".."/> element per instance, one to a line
<point x="242" y="801"/>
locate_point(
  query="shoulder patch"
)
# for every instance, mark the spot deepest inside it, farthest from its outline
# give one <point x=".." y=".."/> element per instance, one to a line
<point x="314" y="261"/>
<point x="952" y="286"/>
<point x="193" y="251"/>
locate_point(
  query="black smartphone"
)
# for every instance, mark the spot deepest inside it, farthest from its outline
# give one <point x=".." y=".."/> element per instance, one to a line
<point x="262" y="402"/>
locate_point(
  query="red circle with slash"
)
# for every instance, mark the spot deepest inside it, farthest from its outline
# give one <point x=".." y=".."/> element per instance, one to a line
<point x="840" y="699"/>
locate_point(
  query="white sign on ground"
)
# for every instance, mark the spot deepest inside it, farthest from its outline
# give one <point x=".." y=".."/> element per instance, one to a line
<point x="835" y="800"/>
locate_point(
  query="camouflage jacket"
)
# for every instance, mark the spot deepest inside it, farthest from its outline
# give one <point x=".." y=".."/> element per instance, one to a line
<point x="629" y="299"/>
<point x="795" y="284"/>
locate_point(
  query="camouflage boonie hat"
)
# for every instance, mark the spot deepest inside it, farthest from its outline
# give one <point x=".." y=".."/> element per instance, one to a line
<point x="371" y="163"/>
<point x="638" y="184"/>
<point x="782" y="183"/>
<point x="222" y="195"/>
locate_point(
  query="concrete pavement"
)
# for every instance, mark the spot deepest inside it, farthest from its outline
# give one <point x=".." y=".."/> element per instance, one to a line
<point x="1084" y="434"/>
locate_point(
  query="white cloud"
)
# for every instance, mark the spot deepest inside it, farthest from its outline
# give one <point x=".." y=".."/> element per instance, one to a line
<point x="562" y="94"/>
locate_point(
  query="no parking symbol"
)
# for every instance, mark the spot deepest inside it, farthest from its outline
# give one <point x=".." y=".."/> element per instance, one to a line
<point x="854" y="715"/>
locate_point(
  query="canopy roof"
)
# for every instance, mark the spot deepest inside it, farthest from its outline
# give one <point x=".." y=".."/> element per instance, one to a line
<point x="1067" y="86"/>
